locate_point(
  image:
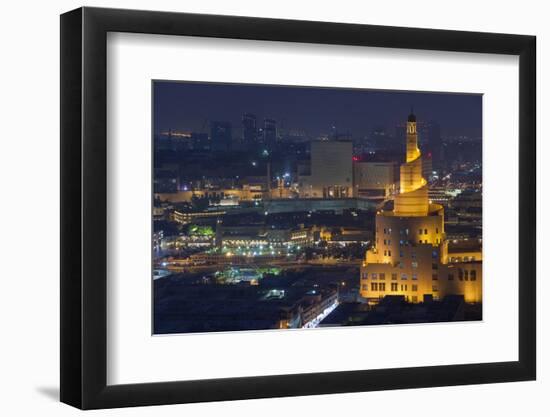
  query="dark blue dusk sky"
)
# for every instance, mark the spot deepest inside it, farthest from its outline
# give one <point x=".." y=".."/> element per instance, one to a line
<point x="190" y="106"/>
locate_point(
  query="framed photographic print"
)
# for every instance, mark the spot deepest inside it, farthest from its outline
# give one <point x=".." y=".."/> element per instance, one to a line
<point x="257" y="208"/>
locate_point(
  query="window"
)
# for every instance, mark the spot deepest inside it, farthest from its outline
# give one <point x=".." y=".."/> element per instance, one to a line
<point x="403" y="276"/>
<point x="403" y="287"/>
<point x="465" y="275"/>
<point x="385" y="230"/>
<point x="435" y="266"/>
<point x="407" y="232"/>
<point x="434" y="288"/>
<point x="414" y="264"/>
<point x="384" y="241"/>
<point x="419" y="231"/>
<point x="389" y="231"/>
<point x="414" y="277"/>
<point x="385" y="253"/>
<point x="434" y="254"/>
<point x="420" y="241"/>
<point x="451" y="277"/>
<point x="426" y="241"/>
<point x="374" y="275"/>
<point x="460" y="275"/>
<point x="394" y="286"/>
<point x="437" y="230"/>
<point x="414" y="287"/>
<point x="382" y="275"/>
<point x="389" y="242"/>
<point x="365" y="287"/>
<point x="473" y="276"/>
<point x="382" y="286"/>
<point x="394" y="276"/>
<point x="414" y="299"/>
<point x="434" y="277"/>
<point x="365" y="275"/>
<point x="374" y="286"/>
<point x="425" y="231"/>
<point x="389" y="253"/>
<point x="400" y="253"/>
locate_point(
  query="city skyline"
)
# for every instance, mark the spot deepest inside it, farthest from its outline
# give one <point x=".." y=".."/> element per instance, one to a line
<point x="256" y="227"/>
<point x="193" y="106"/>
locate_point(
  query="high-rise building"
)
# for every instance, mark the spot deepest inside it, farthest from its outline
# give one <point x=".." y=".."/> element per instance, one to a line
<point x="430" y="142"/>
<point x="270" y="133"/>
<point x="331" y="174"/>
<point x="379" y="139"/>
<point x="435" y="145"/>
<point x="411" y="256"/>
<point x="220" y="136"/>
<point x="337" y="134"/>
<point x="250" y="129"/>
<point x="200" y="141"/>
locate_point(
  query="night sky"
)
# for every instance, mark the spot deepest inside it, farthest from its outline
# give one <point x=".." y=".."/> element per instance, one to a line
<point x="190" y="106"/>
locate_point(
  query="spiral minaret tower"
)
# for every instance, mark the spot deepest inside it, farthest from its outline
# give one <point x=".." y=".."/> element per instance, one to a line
<point x="409" y="255"/>
<point x="412" y="199"/>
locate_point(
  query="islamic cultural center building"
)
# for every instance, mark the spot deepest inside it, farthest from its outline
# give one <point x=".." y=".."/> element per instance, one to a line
<point x="410" y="255"/>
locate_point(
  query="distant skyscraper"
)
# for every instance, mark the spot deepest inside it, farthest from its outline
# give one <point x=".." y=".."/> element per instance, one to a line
<point x="400" y="132"/>
<point x="270" y="133"/>
<point x="220" y="136"/>
<point x="430" y="142"/>
<point x="378" y="138"/>
<point x="336" y="134"/>
<point x="250" y="129"/>
<point x="200" y="141"/>
<point x="435" y="143"/>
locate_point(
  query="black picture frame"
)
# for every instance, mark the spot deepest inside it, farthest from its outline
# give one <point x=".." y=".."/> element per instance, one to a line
<point x="84" y="207"/>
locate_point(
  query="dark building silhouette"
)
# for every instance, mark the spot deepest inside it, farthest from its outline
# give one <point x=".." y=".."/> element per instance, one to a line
<point x="200" y="141"/>
<point x="380" y="140"/>
<point x="220" y="136"/>
<point x="270" y="133"/>
<point x="250" y="128"/>
<point x="435" y="144"/>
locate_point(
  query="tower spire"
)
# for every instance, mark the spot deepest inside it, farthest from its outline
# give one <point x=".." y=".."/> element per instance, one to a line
<point x="412" y="117"/>
<point x="412" y="199"/>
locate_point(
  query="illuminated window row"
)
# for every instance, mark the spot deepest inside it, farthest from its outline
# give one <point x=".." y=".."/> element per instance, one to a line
<point x="394" y="287"/>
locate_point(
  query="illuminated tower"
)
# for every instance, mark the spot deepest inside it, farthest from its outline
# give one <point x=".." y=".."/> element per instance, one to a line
<point x="409" y="256"/>
<point x="412" y="199"/>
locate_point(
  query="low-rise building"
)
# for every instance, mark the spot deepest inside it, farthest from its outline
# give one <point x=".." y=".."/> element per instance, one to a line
<point x="377" y="180"/>
<point x="331" y="174"/>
